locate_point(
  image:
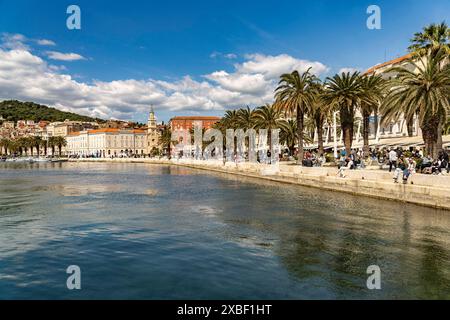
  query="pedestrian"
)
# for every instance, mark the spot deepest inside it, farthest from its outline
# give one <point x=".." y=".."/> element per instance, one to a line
<point x="393" y="157"/>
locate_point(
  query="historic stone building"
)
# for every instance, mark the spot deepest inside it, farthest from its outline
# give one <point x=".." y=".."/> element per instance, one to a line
<point x="153" y="133"/>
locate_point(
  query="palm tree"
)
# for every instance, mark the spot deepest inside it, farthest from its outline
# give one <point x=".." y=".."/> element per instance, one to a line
<point x="434" y="37"/>
<point x="231" y="119"/>
<point x="345" y="93"/>
<point x="246" y="118"/>
<point x="52" y="143"/>
<point x="4" y="143"/>
<point x="23" y="144"/>
<point x="288" y="135"/>
<point x="424" y="91"/>
<point x="165" y="140"/>
<point x="37" y="143"/>
<point x="60" y="142"/>
<point x="295" y="94"/>
<point x="268" y="117"/>
<point x="319" y="113"/>
<point x="44" y="146"/>
<point x="373" y="91"/>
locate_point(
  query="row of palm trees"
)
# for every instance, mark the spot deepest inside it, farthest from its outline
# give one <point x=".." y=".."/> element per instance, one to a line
<point x="423" y="92"/>
<point x="27" y="145"/>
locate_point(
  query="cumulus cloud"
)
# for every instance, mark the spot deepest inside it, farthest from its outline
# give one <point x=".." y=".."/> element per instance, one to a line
<point x="26" y="76"/>
<point x="45" y="42"/>
<point x="273" y="66"/>
<point x="55" y="55"/>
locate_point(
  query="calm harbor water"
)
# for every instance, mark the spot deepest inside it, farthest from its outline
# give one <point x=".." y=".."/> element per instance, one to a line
<point x="157" y="232"/>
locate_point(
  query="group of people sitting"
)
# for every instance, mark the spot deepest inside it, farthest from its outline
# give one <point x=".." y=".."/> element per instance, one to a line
<point x="402" y="163"/>
<point x="417" y="161"/>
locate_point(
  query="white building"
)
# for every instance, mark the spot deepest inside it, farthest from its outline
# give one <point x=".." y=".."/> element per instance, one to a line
<point x="397" y="128"/>
<point x="107" y="142"/>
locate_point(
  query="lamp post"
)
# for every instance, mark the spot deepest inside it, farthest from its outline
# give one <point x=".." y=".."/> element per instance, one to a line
<point x="335" y="135"/>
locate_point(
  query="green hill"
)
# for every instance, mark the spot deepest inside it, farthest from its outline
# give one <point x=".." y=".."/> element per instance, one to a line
<point x="13" y="110"/>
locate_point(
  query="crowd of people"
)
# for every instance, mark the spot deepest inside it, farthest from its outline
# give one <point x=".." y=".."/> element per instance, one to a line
<point x="399" y="161"/>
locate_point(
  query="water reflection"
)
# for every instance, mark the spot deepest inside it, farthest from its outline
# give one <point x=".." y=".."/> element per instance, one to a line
<point x="147" y="231"/>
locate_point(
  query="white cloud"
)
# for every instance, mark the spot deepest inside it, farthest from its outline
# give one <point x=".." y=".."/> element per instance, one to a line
<point x="25" y="76"/>
<point x="348" y="70"/>
<point x="217" y="54"/>
<point x="273" y="66"/>
<point x="54" y="55"/>
<point x="45" y="42"/>
<point x="14" y="41"/>
<point x="230" y="56"/>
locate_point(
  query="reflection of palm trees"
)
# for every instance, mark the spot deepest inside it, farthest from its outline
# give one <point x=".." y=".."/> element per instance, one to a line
<point x="434" y="272"/>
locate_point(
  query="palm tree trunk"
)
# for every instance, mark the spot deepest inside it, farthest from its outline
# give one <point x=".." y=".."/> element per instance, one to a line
<point x="60" y="149"/>
<point x="430" y="134"/>
<point x="347" y="119"/>
<point x="348" y="138"/>
<point x="409" y="126"/>
<point x="300" y="117"/>
<point x="366" y="130"/>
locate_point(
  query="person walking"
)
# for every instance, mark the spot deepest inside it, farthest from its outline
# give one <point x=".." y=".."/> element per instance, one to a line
<point x="392" y="156"/>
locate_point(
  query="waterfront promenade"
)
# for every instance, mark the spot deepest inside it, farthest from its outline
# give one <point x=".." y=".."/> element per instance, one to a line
<point x="425" y="190"/>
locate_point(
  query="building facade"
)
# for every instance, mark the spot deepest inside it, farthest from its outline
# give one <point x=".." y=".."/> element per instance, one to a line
<point x="398" y="128"/>
<point x="106" y="143"/>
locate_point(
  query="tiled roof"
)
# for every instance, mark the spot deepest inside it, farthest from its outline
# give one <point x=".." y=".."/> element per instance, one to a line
<point x="108" y="130"/>
<point x="195" y="118"/>
<point x="388" y="63"/>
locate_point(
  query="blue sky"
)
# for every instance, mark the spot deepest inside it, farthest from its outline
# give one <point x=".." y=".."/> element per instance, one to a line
<point x="191" y="57"/>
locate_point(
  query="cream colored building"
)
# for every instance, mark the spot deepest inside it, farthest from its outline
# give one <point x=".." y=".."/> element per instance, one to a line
<point x="397" y="128"/>
<point x="107" y="143"/>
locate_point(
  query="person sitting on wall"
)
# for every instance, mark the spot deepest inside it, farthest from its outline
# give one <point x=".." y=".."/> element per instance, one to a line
<point x="350" y="165"/>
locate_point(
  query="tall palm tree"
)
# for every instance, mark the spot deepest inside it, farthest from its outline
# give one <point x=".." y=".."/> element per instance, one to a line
<point x="373" y="87"/>
<point x="434" y="37"/>
<point x="288" y="135"/>
<point x="37" y="143"/>
<point x="319" y="113"/>
<point x="424" y="91"/>
<point x="52" y="143"/>
<point x="268" y="117"/>
<point x="295" y="95"/>
<point x="60" y="143"/>
<point x="24" y="143"/>
<point x="246" y="118"/>
<point x="165" y="140"/>
<point x="344" y="92"/>
<point x="44" y="146"/>
<point x="4" y="143"/>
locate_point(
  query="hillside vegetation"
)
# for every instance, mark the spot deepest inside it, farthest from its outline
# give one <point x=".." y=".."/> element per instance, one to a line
<point x="13" y="110"/>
